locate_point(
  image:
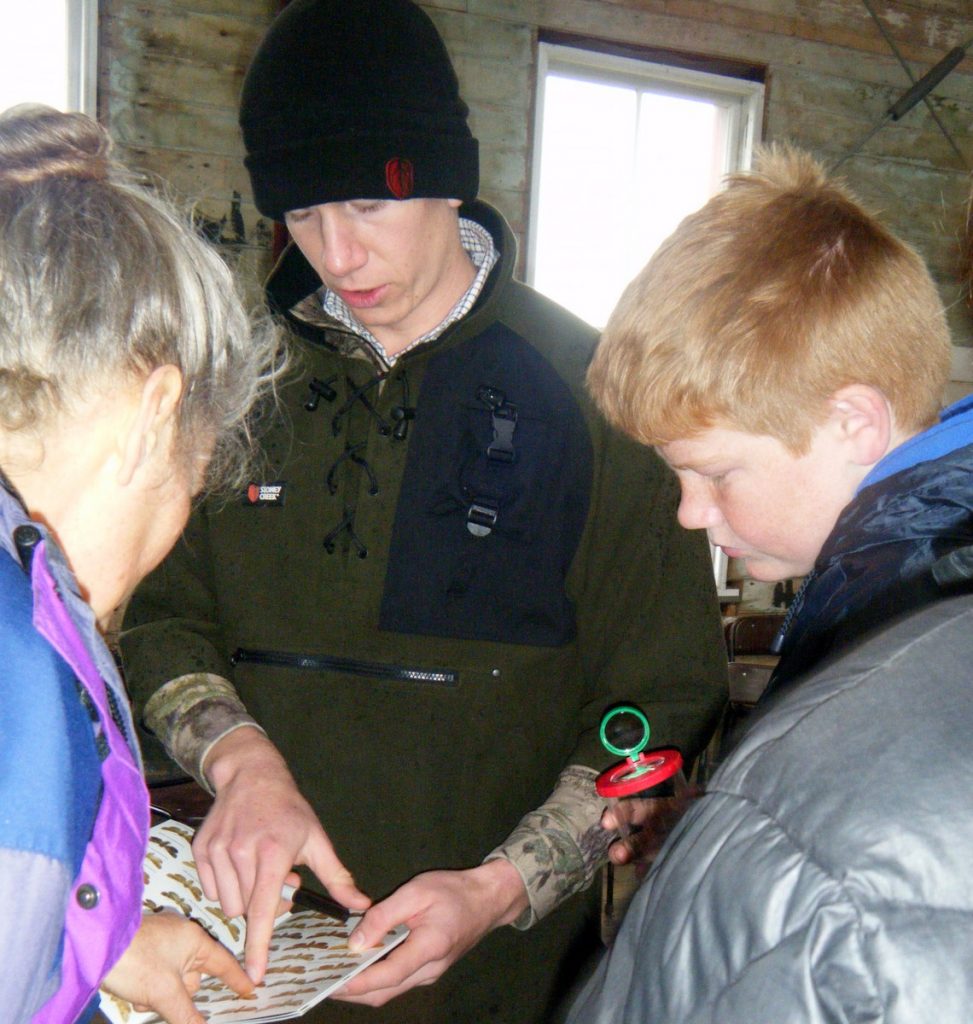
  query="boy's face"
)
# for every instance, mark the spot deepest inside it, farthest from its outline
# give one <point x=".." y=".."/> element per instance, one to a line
<point x="757" y="500"/>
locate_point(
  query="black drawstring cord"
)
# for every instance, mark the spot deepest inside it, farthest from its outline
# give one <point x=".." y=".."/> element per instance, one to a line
<point x="345" y="524"/>
<point x="359" y="394"/>
<point x="352" y="453"/>
<point x="792" y="612"/>
<point x="401" y="416"/>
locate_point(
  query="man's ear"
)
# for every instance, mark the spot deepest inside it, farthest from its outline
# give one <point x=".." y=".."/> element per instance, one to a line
<point x="153" y="421"/>
<point x="861" y="415"/>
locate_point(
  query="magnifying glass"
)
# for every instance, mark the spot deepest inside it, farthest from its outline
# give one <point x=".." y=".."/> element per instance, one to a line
<point x="631" y="787"/>
<point x="625" y="731"/>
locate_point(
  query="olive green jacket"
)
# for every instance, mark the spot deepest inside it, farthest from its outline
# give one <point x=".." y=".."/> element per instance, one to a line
<point x="445" y="572"/>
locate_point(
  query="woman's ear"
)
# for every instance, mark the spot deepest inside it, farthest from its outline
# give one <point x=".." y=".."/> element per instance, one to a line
<point x="862" y="417"/>
<point x="154" y="420"/>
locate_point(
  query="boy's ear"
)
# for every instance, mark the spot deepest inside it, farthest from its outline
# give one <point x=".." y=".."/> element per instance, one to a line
<point x="861" y="415"/>
<point x="153" y="420"/>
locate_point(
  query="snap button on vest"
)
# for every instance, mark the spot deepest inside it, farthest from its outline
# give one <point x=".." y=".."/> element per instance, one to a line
<point x="26" y="537"/>
<point x="87" y="897"/>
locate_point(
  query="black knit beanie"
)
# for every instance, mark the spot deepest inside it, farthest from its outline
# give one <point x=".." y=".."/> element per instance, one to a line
<point x="354" y="99"/>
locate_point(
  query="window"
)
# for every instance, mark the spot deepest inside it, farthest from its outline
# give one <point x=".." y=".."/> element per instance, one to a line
<point x="48" y="53"/>
<point x="625" y="148"/>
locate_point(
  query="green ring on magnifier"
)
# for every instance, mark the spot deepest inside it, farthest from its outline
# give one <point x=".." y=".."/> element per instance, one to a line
<point x="631" y="752"/>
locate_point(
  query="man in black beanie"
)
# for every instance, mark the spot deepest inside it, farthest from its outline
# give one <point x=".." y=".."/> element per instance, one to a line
<point x="448" y="569"/>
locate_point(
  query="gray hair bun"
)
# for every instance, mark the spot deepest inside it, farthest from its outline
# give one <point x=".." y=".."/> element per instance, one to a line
<point x="38" y="142"/>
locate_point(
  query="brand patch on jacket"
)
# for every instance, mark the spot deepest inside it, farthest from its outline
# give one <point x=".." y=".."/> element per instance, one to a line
<point x="400" y="177"/>
<point x="264" y="494"/>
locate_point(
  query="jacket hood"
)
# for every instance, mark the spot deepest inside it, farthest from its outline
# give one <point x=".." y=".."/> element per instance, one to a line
<point x="879" y="560"/>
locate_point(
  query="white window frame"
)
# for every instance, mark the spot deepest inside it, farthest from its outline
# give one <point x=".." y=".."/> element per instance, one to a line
<point x="83" y="56"/>
<point x="741" y="99"/>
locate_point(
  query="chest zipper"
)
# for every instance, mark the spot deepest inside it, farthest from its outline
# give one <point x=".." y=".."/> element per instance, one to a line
<point x="347" y="666"/>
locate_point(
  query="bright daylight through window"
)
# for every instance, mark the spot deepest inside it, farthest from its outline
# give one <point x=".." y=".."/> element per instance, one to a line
<point x="47" y="53"/>
<point x="625" y="149"/>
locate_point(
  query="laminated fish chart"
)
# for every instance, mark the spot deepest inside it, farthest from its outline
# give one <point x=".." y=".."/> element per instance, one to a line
<point x="309" y="955"/>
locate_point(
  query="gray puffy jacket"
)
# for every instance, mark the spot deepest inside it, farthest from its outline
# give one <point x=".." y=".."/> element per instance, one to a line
<point x="827" y="875"/>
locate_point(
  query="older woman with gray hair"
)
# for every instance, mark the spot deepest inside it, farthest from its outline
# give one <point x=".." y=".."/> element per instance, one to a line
<point x="128" y="371"/>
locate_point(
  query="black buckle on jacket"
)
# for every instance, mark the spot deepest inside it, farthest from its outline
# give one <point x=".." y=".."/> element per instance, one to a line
<point x="481" y="516"/>
<point x="503" y="419"/>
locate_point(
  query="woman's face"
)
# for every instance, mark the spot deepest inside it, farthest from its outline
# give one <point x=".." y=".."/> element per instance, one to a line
<point x="118" y="484"/>
<point x="167" y="508"/>
<point x="166" y="500"/>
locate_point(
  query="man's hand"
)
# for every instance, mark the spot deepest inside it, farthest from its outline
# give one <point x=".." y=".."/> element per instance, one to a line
<point x="447" y="912"/>
<point x="258" y="828"/>
<point x="161" y="969"/>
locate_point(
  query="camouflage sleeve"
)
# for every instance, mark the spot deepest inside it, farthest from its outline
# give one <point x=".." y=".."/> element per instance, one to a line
<point x="191" y="714"/>
<point x="559" y="847"/>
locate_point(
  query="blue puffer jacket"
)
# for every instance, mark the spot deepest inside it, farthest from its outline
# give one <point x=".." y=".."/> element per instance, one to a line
<point x="913" y="509"/>
<point x="825" y="876"/>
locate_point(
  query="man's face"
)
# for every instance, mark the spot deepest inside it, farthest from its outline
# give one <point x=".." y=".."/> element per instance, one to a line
<point x="398" y="265"/>
<point x="757" y="500"/>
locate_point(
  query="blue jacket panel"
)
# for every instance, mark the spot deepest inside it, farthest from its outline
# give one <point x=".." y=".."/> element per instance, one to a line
<point x="914" y="508"/>
<point x="50" y="771"/>
<point x="50" y="775"/>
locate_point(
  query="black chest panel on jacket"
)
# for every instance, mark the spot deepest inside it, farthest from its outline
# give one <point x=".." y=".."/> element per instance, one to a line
<point x="494" y="499"/>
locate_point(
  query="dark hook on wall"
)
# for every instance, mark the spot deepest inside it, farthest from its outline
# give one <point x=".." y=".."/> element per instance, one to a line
<point x="918" y="92"/>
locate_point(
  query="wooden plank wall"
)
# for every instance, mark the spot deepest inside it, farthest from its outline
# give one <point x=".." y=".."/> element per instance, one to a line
<point x="169" y="80"/>
<point x="171" y="72"/>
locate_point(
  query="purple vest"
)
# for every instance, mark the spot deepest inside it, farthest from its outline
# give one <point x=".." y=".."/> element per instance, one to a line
<point x="105" y="907"/>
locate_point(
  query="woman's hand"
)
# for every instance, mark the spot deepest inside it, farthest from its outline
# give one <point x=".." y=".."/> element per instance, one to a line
<point x="162" y="968"/>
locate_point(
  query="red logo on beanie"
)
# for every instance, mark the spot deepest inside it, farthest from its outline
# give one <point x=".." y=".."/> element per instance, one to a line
<point x="399" y="176"/>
